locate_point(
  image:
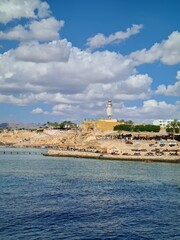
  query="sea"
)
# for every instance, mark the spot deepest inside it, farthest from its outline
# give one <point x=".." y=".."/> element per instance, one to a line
<point x="73" y="198"/>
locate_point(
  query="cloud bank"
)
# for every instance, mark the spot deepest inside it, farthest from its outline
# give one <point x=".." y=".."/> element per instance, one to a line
<point x="44" y="68"/>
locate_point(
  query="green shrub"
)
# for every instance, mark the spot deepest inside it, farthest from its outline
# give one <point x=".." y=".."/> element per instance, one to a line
<point x="125" y="127"/>
<point x="137" y="128"/>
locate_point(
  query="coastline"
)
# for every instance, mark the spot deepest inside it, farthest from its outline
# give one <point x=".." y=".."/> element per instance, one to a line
<point x="93" y="144"/>
<point x="105" y="156"/>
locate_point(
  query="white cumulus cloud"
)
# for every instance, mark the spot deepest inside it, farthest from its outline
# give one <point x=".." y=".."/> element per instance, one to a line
<point x="17" y="9"/>
<point x="178" y="75"/>
<point x="38" y="111"/>
<point x="24" y="71"/>
<point x="150" y="110"/>
<point x="100" y="40"/>
<point x="170" y="90"/>
<point x="43" y="30"/>
<point x="168" y="51"/>
<point x="57" y="51"/>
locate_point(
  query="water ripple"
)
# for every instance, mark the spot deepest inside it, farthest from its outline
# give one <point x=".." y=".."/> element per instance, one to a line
<point x="79" y="199"/>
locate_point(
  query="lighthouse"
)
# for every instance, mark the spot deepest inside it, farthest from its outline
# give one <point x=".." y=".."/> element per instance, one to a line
<point x="109" y="109"/>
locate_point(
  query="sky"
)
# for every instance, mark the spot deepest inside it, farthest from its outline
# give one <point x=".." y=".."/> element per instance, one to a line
<point x="64" y="59"/>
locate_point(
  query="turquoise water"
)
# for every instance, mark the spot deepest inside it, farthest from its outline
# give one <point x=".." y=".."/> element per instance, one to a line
<point x="65" y="198"/>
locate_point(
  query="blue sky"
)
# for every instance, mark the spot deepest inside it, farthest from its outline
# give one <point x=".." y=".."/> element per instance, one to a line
<point x="62" y="60"/>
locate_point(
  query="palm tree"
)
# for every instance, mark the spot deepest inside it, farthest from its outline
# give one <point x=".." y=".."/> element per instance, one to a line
<point x="178" y="125"/>
<point x="174" y="124"/>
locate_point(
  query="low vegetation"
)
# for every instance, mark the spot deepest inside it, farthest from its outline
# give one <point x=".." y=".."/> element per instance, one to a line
<point x="63" y="125"/>
<point x="137" y="128"/>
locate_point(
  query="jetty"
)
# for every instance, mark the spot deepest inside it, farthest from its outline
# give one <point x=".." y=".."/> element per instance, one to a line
<point x="105" y="156"/>
<point x="16" y="152"/>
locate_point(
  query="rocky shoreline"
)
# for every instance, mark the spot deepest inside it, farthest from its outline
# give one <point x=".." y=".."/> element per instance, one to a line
<point x="93" y="144"/>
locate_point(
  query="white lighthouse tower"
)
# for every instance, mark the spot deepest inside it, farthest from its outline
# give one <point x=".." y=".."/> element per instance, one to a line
<point x="109" y="109"/>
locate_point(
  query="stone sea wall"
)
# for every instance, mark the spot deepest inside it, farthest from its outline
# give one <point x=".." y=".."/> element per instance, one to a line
<point x="79" y="154"/>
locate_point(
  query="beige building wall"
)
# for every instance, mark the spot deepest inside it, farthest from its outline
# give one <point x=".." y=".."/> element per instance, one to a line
<point x="99" y="125"/>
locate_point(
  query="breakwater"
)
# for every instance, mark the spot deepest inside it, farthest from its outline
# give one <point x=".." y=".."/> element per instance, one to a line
<point x="78" y="154"/>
